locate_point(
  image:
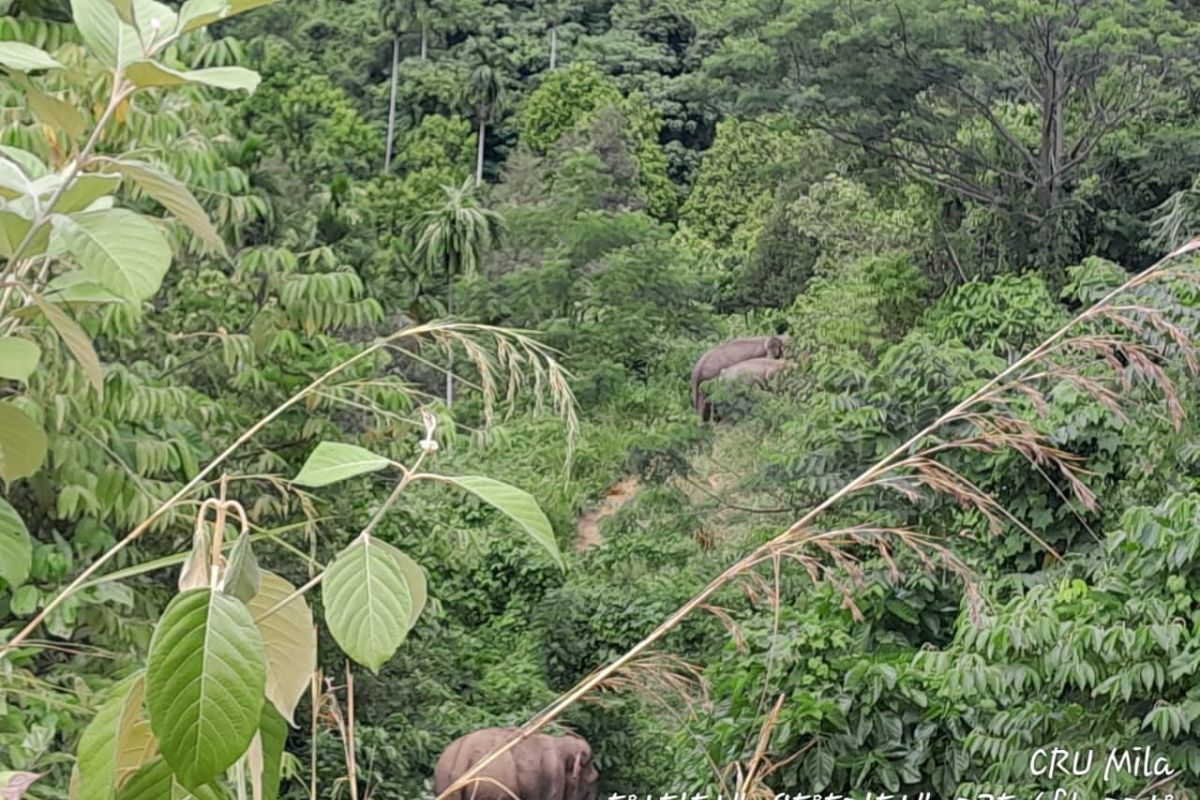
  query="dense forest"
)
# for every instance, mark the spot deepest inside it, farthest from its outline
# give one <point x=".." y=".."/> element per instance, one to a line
<point x="345" y="350"/>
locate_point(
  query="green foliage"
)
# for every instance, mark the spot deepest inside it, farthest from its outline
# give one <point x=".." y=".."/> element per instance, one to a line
<point x="563" y="101"/>
<point x="879" y="184"/>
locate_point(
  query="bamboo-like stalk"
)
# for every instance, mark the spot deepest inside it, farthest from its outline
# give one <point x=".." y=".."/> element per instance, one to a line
<point x="800" y="533"/>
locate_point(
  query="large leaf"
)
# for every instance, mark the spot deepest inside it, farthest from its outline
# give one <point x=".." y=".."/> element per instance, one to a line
<point x="155" y="781"/>
<point x="55" y="112"/>
<point x="30" y="164"/>
<point x="76" y="340"/>
<point x="13" y="228"/>
<point x="26" y="58"/>
<point x="16" y="550"/>
<point x="197" y="13"/>
<point x="206" y="672"/>
<point x="118" y="249"/>
<point x="174" y="196"/>
<point x="84" y="190"/>
<point x="100" y="745"/>
<point x="331" y="462"/>
<point x="148" y="74"/>
<point x="266" y="755"/>
<point x="514" y="503"/>
<point x="14" y="181"/>
<point x="112" y="41"/>
<point x="290" y="639"/>
<point x="22" y="444"/>
<point x="136" y="748"/>
<point x="75" y="289"/>
<point x="367" y="601"/>
<point x="416" y="583"/>
<point x="18" y="358"/>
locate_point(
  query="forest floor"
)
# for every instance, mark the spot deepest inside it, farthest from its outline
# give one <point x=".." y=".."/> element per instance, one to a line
<point x="587" y="529"/>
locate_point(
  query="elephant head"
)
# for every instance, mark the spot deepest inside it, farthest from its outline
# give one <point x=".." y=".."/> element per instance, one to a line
<point x="775" y="347"/>
<point x="581" y="772"/>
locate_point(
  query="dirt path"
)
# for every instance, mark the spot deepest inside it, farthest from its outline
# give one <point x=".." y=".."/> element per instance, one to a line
<point x="587" y="530"/>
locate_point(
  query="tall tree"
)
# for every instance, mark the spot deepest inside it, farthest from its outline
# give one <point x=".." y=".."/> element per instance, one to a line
<point x="999" y="101"/>
<point x="399" y="17"/>
<point x="485" y="90"/>
<point x="452" y="238"/>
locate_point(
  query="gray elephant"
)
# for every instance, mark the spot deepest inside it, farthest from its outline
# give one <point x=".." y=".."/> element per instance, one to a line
<point x="754" y="371"/>
<point x="725" y="355"/>
<point x="540" y="767"/>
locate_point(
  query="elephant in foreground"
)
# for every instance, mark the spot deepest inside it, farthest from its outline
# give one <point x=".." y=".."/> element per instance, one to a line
<point x="725" y="355"/>
<point x="541" y="767"/>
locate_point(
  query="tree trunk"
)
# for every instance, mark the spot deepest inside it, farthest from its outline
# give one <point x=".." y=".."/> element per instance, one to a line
<point x="479" y="153"/>
<point x="449" y="313"/>
<point x="391" y="126"/>
<point x="1053" y="146"/>
<point x="553" y="46"/>
<point x="424" y="41"/>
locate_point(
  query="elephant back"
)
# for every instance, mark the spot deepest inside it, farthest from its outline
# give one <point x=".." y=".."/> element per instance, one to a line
<point x="466" y="751"/>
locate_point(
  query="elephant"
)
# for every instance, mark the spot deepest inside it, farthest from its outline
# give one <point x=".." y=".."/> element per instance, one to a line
<point x="540" y="767"/>
<point x="754" y="371"/>
<point x="726" y="355"/>
<point x="757" y="371"/>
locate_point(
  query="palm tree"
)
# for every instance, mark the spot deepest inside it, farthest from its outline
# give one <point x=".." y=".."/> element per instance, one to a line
<point x="485" y="90"/>
<point x="553" y="13"/>
<point x="453" y="237"/>
<point x="398" y="17"/>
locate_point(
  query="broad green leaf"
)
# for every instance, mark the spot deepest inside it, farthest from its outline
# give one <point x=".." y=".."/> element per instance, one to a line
<point x="241" y="573"/>
<point x="367" y="601"/>
<point x="416" y="583"/>
<point x="101" y="743"/>
<point x="266" y="755"/>
<point x="22" y="444"/>
<point x="16" y="550"/>
<point x="75" y="289"/>
<point x="124" y="10"/>
<point x="155" y="781"/>
<point x="290" y="639"/>
<point x="174" y="196"/>
<point x="25" y="57"/>
<point x="198" y="13"/>
<point x="84" y="190"/>
<point x="136" y="748"/>
<point x="514" y="503"/>
<point x="30" y="164"/>
<point x="157" y="21"/>
<point x="118" y="249"/>
<point x="14" y="182"/>
<point x="76" y="340"/>
<point x="55" y="112"/>
<point x="331" y="462"/>
<point x="18" y="358"/>
<point x="205" y="676"/>
<point x="13" y="229"/>
<point x="112" y="41"/>
<point x="148" y="74"/>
